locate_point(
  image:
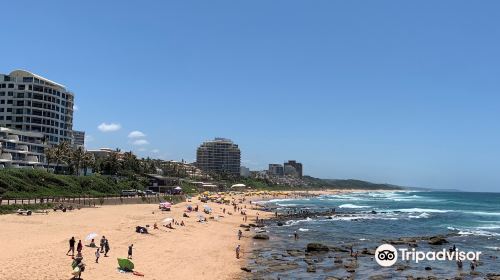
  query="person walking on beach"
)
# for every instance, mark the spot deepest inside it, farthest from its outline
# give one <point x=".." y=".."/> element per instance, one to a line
<point x="103" y="241"/>
<point x="238" y="249"/>
<point x="106" y="247"/>
<point x="240" y="233"/>
<point x="97" y="255"/>
<point x="295" y="235"/>
<point x="130" y="251"/>
<point x="79" y="247"/>
<point x="71" y="246"/>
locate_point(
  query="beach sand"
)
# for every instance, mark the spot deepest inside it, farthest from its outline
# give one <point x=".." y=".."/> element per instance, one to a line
<point x="34" y="247"/>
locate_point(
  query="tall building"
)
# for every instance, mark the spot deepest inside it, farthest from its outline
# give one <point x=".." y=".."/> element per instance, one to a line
<point x="21" y="148"/>
<point x="276" y="170"/>
<point x="244" y="171"/>
<point x="79" y="138"/>
<point x="297" y="166"/>
<point x="29" y="102"/>
<point x="220" y="156"/>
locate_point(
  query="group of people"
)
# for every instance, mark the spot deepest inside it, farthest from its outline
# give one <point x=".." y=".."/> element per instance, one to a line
<point x="77" y="261"/>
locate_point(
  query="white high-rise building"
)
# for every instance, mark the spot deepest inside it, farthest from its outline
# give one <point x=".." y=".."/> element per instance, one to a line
<point x="29" y="102"/>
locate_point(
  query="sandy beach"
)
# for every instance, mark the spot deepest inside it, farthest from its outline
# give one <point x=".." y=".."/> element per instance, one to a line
<point x="35" y="247"/>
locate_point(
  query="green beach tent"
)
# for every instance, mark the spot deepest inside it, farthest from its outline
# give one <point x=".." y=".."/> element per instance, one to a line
<point x="125" y="264"/>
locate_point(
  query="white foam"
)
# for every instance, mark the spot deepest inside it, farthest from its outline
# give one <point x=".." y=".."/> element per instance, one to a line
<point x="424" y="215"/>
<point x="348" y="205"/>
<point x="483" y="213"/>
<point x="422" y="210"/>
<point x="303" y="229"/>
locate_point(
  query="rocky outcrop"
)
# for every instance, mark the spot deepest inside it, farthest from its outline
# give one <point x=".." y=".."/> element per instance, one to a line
<point x="317" y="247"/>
<point x="261" y="236"/>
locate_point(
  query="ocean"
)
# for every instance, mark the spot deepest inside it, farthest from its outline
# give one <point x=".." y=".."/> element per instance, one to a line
<point x="470" y="221"/>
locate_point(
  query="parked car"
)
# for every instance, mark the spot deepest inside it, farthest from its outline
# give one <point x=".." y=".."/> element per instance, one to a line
<point x="150" y="192"/>
<point x="129" y="192"/>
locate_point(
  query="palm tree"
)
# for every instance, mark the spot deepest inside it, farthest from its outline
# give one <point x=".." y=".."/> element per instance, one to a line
<point x="76" y="159"/>
<point x="88" y="160"/>
<point x="50" y="156"/>
<point x="61" y="153"/>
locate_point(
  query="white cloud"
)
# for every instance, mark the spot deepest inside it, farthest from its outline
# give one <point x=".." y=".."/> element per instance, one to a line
<point x="111" y="127"/>
<point x="136" y="134"/>
<point x="140" y="142"/>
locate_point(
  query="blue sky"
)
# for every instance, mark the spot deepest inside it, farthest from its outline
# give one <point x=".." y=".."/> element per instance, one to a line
<point x="404" y="92"/>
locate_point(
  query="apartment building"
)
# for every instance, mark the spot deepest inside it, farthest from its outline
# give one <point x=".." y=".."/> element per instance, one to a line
<point x="220" y="155"/>
<point x="21" y="148"/>
<point x="32" y="103"/>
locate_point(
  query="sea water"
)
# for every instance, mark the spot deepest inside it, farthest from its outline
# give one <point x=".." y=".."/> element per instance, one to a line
<point x="472" y="219"/>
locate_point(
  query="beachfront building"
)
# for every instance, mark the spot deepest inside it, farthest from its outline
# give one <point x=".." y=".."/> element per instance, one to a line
<point x="220" y="156"/>
<point x="21" y="148"/>
<point x="105" y="152"/>
<point x="29" y="102"/>
<point x="293" y="168"/>
<point x="79" y="138"/>
<point x="276" y="170"/>
<point x="244" y="172"/>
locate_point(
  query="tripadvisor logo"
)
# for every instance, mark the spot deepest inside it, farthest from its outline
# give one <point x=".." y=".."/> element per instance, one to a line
<point x="387" y="255"/>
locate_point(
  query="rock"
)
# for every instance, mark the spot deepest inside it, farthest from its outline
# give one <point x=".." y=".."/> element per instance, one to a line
<point x="247" y="229"/>
<point x="261" y="236"/>
<point x="379" y="277"/>
<point x="428" y="268"/>
<point x="309" y="261"/>
<point x="351" y="270"/>
<point x="311" y="268"/>
<point x="294" y="253"/>
<point x="317" y="247"/>
<point x="493" y="276"/>
<point x="283" y="267"/>
<point x="437" y="240"/>
<point x="338" y="261"/>
<point x="244" y="268"/>
<point x="401" y="267"/>
<point x="280" y="224"/>
<point x="244" y="226"/>
<point x="332" y="278"/>
<point x="367" y="251"/>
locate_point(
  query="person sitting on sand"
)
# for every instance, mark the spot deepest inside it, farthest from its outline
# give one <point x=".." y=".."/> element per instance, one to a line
<point x="185" y="215"/>
<point x="182" y="223"/>
<point x="92" y="244"/>
<point x="155" y="226"/>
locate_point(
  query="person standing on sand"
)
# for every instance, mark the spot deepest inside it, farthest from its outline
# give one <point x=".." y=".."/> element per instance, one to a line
<point x="106" y="247"/>
<point x="238" y="249"/>
<point x="130" y="251"/>
<point x="71" y="246"/>
<point x="240" y="233"/>
<point x="103" y="241"/>
<point x="97" y="255"/>
<point x="79" y="247"/>
<point x="295" y="235"/>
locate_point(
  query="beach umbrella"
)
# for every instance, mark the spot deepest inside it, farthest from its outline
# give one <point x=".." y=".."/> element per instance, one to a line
<point x="91" y="236"/>
<point x="125" y="264"/>
<point x="168" y="220"/>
